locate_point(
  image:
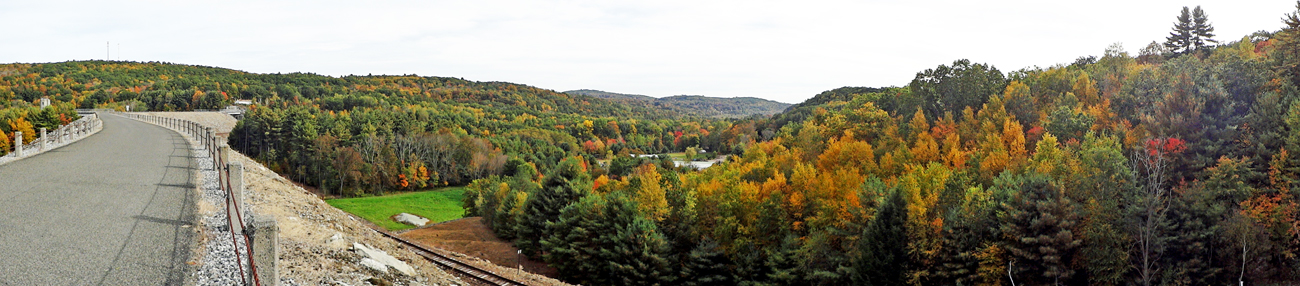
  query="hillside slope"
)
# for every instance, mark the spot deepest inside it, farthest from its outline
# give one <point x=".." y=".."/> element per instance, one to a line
<point x="703" y="106"/>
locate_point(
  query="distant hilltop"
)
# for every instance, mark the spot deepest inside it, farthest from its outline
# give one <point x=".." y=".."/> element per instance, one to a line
<point x="703" y="106"/>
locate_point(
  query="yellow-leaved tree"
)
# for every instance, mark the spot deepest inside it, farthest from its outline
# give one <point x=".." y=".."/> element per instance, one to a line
<point x="921" y="187"/>
<point x="4" y="143"/>
<point x="21" y="125"/>
<point x="650" y="197"/>
<point x="924" y="149"/>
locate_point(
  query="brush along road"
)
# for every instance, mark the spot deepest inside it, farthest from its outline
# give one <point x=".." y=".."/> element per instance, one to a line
<point x="116" y="208"/>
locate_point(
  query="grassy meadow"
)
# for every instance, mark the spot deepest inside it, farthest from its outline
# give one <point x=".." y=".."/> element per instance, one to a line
<point x="437" y="205"/>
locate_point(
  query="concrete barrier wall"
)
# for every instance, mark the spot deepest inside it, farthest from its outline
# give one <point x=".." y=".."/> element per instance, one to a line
<point x="47" y="140"/>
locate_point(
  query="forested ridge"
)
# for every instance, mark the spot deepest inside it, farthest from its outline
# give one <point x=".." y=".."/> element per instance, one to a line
<point x="697" y="105"/>
<point x="1172" y="166"/>
<point x="358" y="135"/>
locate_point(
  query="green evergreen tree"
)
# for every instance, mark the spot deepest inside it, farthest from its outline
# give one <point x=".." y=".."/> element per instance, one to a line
<point x="1037" y="224"/>
<point x="1180" y="40"/>
<point x="1192" y="32"/>
<point x="635" y="251"/>
<point x="573" y="246"/>
<point x="706" y="265"/>
<point x="1202" y="29"/>
<point x="566" y="184"/>
<point x="882" y="257"/>
<point x="1287" y="55"/>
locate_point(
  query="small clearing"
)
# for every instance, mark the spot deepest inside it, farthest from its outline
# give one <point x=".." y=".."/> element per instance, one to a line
<point x="437" y="205"/>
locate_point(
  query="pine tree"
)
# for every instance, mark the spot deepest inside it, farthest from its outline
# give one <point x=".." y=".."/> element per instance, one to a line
<point x="1288" y="48"/>
<point x="1038" y="225"/>
<point x="1192" y="32"/>
<point x="566" y="184"/>
<point x="1180" y="40"/>
<point x="636" y="250"/>
<point x="706" y="265"/>
<point x="1202" y="29"/>
<point x="572" y="246"/>
<point x="882" y="257"/>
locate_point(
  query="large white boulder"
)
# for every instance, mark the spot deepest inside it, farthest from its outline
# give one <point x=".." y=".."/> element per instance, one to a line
<point x="411" y="219"/>
<point x="381" y="257"/>
<point x="374" y="264"/>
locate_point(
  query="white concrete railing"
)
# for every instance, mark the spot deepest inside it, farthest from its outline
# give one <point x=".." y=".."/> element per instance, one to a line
<point x="89" y="124"/>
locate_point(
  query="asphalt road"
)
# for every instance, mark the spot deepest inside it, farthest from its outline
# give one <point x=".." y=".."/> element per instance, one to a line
<point x="116" y="208"/>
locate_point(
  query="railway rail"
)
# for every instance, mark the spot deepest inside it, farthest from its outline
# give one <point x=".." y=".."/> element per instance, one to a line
<point x="447" y="261"/>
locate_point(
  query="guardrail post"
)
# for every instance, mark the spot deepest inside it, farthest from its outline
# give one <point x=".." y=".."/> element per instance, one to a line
<point x="210" y="141"/>
<point x="224" y="153"/>
<point x="18" y="144"/>
<point x="236" y="177"/>
<point x="266" y="250"/>
<point x="44" y="139"/>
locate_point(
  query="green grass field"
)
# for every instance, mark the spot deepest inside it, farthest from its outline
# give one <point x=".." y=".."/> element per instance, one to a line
<point x="437" y="205"/>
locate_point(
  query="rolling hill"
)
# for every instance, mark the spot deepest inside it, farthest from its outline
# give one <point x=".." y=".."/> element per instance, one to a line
<point x="703" y="106"/>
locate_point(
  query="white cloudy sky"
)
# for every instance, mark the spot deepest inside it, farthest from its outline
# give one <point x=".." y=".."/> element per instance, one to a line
<point x="786" y="51"/>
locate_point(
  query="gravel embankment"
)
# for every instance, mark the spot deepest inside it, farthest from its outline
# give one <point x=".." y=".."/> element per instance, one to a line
<point x="221" y="122"/>
<point x="315" y="238"/>
<point x="217" y="265"/>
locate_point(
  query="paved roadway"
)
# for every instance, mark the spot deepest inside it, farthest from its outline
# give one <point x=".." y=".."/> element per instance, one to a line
<point x="115" y="208"/>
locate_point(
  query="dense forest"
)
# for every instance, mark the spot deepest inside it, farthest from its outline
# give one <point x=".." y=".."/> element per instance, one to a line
<point x="703" y="106"/>
<point x="1174" y="166"/>
<point x="359" y="135"/>
<point x="27" y="119"/>
<point x="1171" y="166"/>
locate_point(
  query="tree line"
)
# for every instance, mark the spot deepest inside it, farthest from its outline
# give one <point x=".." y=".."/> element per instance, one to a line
<point x="1164" y="168"/>
<point x="22" y="117"/>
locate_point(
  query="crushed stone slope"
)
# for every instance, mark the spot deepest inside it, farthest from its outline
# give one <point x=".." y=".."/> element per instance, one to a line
<point x="315" y="238"/>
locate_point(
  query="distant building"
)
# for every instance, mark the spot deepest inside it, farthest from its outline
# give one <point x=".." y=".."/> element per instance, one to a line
<point x="243" y="102"/>
<point x="45" y="102"/>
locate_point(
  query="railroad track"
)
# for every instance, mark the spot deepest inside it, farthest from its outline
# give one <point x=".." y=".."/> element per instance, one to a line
<point x="449" y="262"/>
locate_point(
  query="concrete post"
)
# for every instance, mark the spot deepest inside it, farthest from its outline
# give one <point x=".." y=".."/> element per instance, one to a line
<point x="236" y="177"/>
<point x="266" y="248"/>
<point x="18" y="144"/>
<point x="224" y="153"/>
<point x="44" y="140"/>
<point x="210" y="140"/>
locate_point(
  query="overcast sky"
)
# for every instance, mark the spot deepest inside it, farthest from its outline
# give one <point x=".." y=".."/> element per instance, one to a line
<point x="786" y="51"/>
